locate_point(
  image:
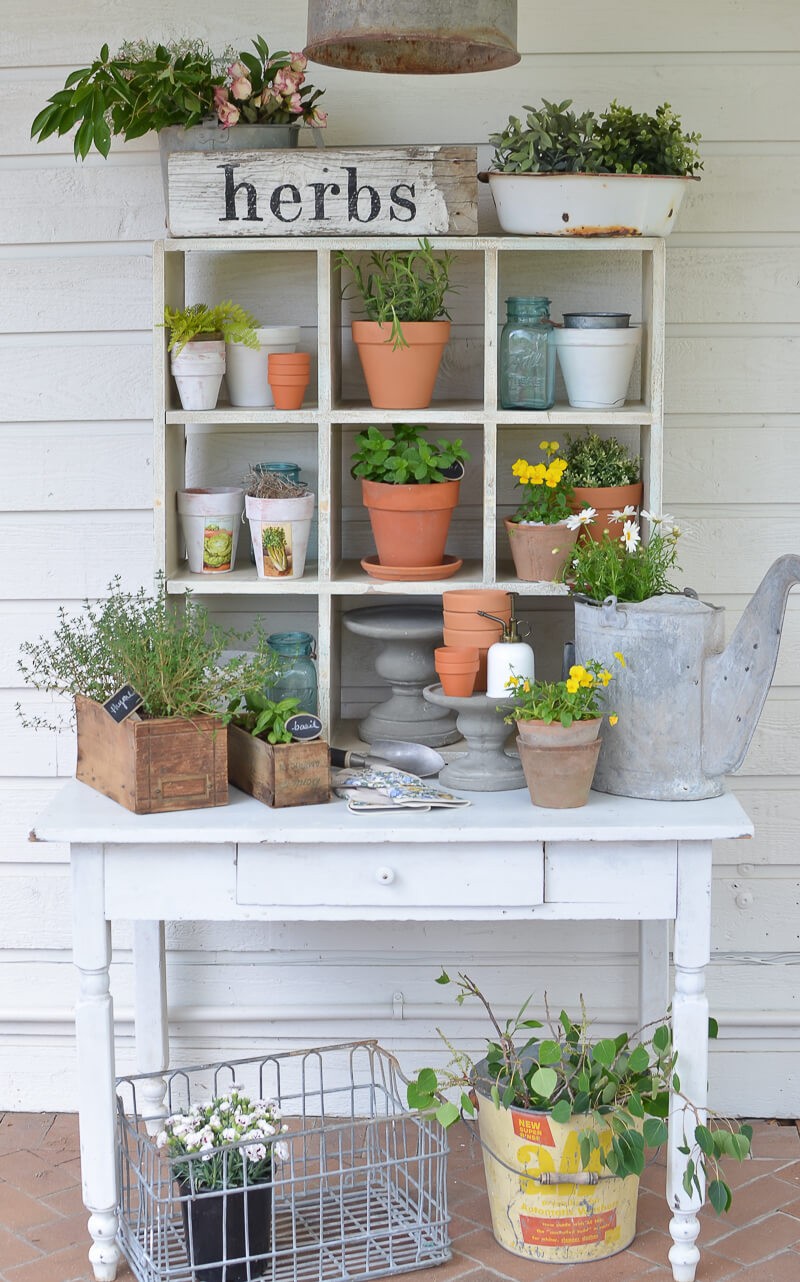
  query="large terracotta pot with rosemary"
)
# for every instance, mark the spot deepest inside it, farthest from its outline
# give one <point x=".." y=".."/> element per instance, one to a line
<point x="543" y="530"/>
<point x="558" y="724"/>
<point x="400" y="344"/>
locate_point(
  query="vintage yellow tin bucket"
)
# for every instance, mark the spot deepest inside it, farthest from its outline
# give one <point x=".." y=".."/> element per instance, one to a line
<point x="561" y="1222"/>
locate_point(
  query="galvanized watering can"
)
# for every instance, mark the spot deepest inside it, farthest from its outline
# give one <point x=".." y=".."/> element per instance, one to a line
<point x="687" y="704"/>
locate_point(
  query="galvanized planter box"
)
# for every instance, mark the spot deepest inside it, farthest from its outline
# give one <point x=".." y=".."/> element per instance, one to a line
<point x="423" y="190"/>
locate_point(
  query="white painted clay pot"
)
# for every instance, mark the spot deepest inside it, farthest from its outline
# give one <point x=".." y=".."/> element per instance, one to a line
<point x="597" y="365"/>
<point x="587" y="204"/>
<point x="247" y="368"/>
<point x="198" y="371"/>
<point x="279" y="530"/>
<point x="210" y="520"/>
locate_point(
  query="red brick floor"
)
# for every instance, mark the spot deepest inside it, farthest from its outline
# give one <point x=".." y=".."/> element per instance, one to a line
<point x="43" y="1225"/>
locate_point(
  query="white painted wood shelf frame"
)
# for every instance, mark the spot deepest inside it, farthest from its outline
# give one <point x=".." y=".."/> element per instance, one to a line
<point x="333" y="576"/>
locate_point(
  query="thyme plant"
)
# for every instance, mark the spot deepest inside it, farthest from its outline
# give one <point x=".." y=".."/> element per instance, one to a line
<point x="595" y="462"/>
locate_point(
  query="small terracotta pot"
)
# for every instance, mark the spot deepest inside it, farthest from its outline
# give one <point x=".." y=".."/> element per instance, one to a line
<point x="473" y="639"/>
<point x="403" y="377"/>
<point x="540" y="735"/>
<point x="461" y="607"/>
<point x="410" y="523"/>
<point x="457" y="668"/>
<point x="540" y="552"/>
<point x="289" y="360"/>
<point x="559" y="778"/>
<point x="605" y="500"/>
<point x="288" y="390"/>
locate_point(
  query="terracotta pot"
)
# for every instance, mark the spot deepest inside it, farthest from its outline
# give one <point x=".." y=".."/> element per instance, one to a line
<point x="461" y="606"/>
<point x="288" y="390"/>
<point x="559" y="778"/>
<point x="605" y="500"/>
<point x="473" y="639"/>
<point x="289" y="360"/>
<point x="457" y="668"/>
<point x="540" y="552"/>
<point x="401" y="378"/>
<point x="410" y="522"/>
<point x="540" y="735"/>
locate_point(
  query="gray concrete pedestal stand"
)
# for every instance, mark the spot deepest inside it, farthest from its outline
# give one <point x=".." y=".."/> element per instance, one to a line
<point x="408" y="635"/>
<point x="484" y="767"/>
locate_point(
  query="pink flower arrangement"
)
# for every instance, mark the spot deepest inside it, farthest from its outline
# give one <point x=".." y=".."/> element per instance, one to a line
<point x="268" y="89"/>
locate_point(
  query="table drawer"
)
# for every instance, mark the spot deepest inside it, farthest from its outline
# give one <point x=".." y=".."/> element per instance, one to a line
<point x="401" y="879"/>
<point x="640" y="879"/>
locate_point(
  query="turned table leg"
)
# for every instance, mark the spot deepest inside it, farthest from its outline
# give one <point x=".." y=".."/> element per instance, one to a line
<point x="690" y="1038"/>
<point x="94" y="1031"/>
<point x="151" y="1018"/>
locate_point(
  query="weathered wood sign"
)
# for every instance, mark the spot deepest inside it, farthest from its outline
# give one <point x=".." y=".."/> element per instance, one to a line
<point x="351" y="191"/>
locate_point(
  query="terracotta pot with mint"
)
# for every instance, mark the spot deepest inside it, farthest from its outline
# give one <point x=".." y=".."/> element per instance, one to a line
<point x="410" y="487"/>
<point x="606" y="480"/>
<point x="400" y="344"/>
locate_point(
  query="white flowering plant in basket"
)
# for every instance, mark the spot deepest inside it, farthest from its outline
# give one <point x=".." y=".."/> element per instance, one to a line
<point x="222" y="1139"/>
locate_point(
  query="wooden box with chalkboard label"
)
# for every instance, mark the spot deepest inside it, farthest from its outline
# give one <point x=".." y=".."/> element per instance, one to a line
<point x="152" y="766"/>
<point x="279" y="774"/>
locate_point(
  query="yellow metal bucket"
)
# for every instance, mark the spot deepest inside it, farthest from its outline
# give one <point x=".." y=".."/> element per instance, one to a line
<point x="561" y="1223"/>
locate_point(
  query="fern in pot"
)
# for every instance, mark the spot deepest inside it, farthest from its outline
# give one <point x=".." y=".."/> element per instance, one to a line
<point x="620" y="173"/>
<point x="197" y="338"/>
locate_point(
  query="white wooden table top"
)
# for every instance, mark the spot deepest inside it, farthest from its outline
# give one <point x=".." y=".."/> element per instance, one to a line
<point x="81" y="815"/>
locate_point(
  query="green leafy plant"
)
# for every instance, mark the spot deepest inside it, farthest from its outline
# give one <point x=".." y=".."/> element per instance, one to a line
<point x="172" y="656"/>
<point x="616" y="1084"/>
<point x="405" y="457"/>
<point x="554" y="139"/>
<point x="210" y="1145"/>
<point x="625" y="567"/>
<point x="262" y="717"/>
<point x="227" y="319"/>
<point x="576" y="698"/>
<point x="148" y="85"/>
<point x="594" y="462"/>
<point x="547" y="492"/>
<point x="401" y="285"/>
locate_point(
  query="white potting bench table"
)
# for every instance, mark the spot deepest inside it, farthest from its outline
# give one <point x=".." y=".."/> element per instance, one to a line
<point x="498" y="860"/>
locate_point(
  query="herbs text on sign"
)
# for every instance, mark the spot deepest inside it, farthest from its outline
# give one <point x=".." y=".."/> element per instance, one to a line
<point x="121" y="704"/>
<point x="303" y="726"/>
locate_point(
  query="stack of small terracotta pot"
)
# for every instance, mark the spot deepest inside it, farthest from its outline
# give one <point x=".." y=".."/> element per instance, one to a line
<point x="464" y="629"/>
<point x="288" y="374"/>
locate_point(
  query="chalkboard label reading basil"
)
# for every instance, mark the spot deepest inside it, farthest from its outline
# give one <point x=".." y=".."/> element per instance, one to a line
<point x="123" y="703"/>
<point x="304" y="727"/>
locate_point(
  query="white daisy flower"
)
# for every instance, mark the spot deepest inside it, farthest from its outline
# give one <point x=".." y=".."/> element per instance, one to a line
<point x="630" y="536"/>
<point x="584" y="517"/>
<point x="618" y="516"/>
<point x="281" y="1151"/>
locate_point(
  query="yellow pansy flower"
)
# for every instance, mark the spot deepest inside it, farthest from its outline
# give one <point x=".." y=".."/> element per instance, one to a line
<point x="612" y="720"/>
<point x="544" y="445"/>
<point x="587" y="681"/>
<point x="620" y="658"/>
<point x="572" y="685"/>
<point x="577" y="670"/>
<point x="605" y="677"/>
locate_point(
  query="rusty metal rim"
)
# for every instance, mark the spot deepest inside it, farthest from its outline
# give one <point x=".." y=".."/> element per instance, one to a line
<point x="498" y="55"/>
<point x="485" y="174"/>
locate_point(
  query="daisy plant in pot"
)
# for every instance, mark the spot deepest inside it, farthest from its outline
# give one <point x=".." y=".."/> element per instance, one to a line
<point x="543" y="530"/>
<point x="566" y="1120"/>
<point x="401" y="342"/>
<point x="558" y="723"/>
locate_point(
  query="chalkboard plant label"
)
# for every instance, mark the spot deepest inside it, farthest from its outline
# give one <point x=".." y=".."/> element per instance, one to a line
<point x="353" y="191"/>
<point x="121" y="704"/>
<point x="303" y="727"/>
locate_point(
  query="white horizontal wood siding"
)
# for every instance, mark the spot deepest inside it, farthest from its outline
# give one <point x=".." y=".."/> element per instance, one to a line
<point x="76" y="485"/>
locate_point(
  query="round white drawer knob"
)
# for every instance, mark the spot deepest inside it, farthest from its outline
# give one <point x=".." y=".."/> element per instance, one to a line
<point x="385" y="876"/>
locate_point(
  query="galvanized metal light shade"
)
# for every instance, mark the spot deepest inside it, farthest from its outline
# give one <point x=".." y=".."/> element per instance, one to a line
<point x="424" y="37"/>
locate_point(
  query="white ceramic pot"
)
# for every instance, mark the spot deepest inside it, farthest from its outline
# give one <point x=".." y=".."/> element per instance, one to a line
<point x="587" y="204"/>
<point x="210" y="521"/>
<point x="247" y="368"/>
<point x="279" y="530"/>
<point x="597" y="365"/>
<point x="198" y="371"/>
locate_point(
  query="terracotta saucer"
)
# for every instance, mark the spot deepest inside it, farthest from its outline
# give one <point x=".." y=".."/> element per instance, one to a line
<point x="411" y="573"/>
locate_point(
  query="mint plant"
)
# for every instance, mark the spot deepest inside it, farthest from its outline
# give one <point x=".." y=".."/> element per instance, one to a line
<point x="406" y="457"/>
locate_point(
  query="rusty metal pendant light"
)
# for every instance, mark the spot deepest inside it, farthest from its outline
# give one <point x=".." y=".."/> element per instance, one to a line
<point x="423" y="37"/>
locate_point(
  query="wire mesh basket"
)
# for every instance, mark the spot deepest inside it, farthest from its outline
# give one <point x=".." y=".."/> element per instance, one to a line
<point x="361" y="1192"/>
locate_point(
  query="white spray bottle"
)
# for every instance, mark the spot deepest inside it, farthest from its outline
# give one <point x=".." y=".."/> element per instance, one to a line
<point x="510" y="656"/>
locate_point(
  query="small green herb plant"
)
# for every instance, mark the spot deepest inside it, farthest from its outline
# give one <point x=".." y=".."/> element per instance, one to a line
<point x="624" y="566"/>
<point x="262" y="717"/>
<point x="227" y="319"/>
<point x="594" y="462"/>
<point x="406" y="457"/>
<point x="554" y="139"/>
<point x="616" y="1084"/>
<point x="172" y="656"/>
<point x="401" y="285"/>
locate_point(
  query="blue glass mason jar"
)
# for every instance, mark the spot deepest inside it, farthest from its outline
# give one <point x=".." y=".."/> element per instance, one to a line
<point x="527" y="356"/>
<point x="292" y="473"/>
<point x="298" y="680"/>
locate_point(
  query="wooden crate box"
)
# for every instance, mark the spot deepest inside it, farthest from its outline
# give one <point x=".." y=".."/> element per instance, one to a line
<point x="279" y="774"/>
<point x="167" y="763"/>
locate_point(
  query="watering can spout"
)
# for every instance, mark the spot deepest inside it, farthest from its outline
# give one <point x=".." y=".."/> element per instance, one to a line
<point x="736" y="682"/>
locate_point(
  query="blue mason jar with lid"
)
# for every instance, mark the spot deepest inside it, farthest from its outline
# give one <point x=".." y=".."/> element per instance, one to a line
<point x="527" y="356"/>
<point x="298" y="678"/>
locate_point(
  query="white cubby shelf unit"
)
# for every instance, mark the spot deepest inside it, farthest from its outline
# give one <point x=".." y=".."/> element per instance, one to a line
<point x="295" y="281"/>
